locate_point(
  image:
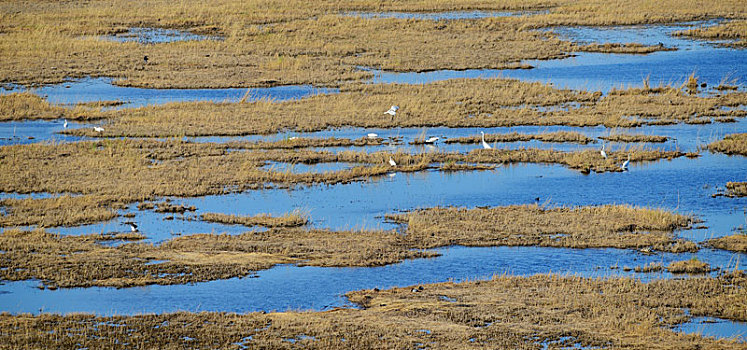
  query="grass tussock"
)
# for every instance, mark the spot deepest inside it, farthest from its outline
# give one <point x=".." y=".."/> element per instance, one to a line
<point x="735" y="243"/>
<point x="502" y="312"/>
<point x="64" y="210"/>
<point x="629" y="48"/>
<point x="732" y="189"/>
<point x="530" y="225"/>
<point x="294" y="219"/>
<point x="634" y="138"/>
<point x="731" y="144"/>
<point x="691" y="266"/>
<point x="559" y="136"/>
<point x="733" y="30"/>
<point x="650" y="267"/>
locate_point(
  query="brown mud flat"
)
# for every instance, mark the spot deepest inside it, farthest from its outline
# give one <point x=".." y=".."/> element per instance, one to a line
<point x="501" y="312"/>
<point x="81" y="261"/>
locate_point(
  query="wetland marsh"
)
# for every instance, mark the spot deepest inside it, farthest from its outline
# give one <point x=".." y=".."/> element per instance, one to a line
<point x="555" y="174"/>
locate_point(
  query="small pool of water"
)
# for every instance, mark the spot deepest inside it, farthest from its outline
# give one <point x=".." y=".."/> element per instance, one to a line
<point x="103" y="89"/>
<point x="156" y="35"/>
<point x="437" y="16"/>
<point x="715" y="327"/>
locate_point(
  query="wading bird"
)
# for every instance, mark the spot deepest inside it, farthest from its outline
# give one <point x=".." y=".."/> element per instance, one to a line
<point x="603" y="153"/>
<point x="624" y="167"/>
<point x="64" y="126"/>
<point x="98" y="129"/>
<point x="392" y="111"/>
<point x="392" y="162"/>
<point x="145" y="59"/>
<point x="485" y="145"/>
<point x="431" y="140"/>
<point x="133" y="226"/>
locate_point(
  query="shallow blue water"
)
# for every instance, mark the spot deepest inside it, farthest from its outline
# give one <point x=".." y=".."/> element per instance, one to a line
<point x="715" y="327"/>
<point x="299" y="288"/>
<point x="102" y="89"/>
<point x="156" y="35"/>
<point x="437" y="16"/>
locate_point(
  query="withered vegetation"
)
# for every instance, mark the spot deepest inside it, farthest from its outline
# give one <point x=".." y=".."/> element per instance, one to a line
<point x="634" y="138"/>
<point x="558" y="136"/>
<point x="531" y="225"/>
<point x="451" y="103"/>
<point x="731" y="144"/>
<point x="735" y="242"/>
<point x="502" y="312"/>
<point x="74" y="261"/>
<point x="733" y="30"/>
<point x="629" y="48"/>
<point x="111" y="173"/>
<point x="692" y="266"/>
<point x="293" y="219"/>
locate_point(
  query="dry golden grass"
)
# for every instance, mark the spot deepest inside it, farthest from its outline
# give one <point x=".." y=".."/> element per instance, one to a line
<point x="558" y="136"/>
<point x="503" y="312"/>
<point x="629" y="48"/>
<point x="80" y="261"/>
<point x="634" y="138"/>
<point x="735" y="243"/>
<point x="295" y="42"/>
<point x="731" y="144"/>
<point x="293" y="219"/>
<point x="25" y="105"/>
<point x="112" y="173"/>
<point x="650" y="267"/>
<point x="452" y="103"/>
<point x="531" y="225"/>
<point x="732" y="30"/>
<point x="689" y="266"/>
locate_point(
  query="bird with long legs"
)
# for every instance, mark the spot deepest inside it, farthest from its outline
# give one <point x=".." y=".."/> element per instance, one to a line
<point x="485" y="145"/>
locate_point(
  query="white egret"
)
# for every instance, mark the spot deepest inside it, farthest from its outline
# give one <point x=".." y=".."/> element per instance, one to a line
<point x="431" y="139"/>
<point x="293" y="138"/>
<point x="624" y="167"/>
<point x="372" y="135"/>
<point x="392" y="111"/>
<point x="485" y="145"/>
<point x="64" y="126"/>
<point x="98" y="129"/>
<point x="603" y="153"/>
<point x="392" y="162"/>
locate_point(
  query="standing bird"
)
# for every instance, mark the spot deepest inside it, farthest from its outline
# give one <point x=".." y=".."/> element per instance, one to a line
<point x="98" y="129"/>
<point x="431" y="140"/>
<point x="145" y="59"/>
<point x="133" y="226"/>
<point x="485" y="145"/>
<point x="64" y="126"/>
<point x="392" y="111"/>
<point x="624" y="167"/>
<point x="392" y="162"/>
<point x="603" y="153"/>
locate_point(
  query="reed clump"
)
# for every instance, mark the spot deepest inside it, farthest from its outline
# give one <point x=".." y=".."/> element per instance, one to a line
<point x="634" y="138"/>
<point x="558" y="136"/>
<point x="731" y="144"/>
<point x="501" y="312"/>
<point x="294" y="219"/>
<point x="650" y="267"/>
<point x="626" y="48"/>
<point x="735" y="242"/>
<point x="735" y="30"/>
<point x="689" y="266"/>
<point x="531" y="225"/>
